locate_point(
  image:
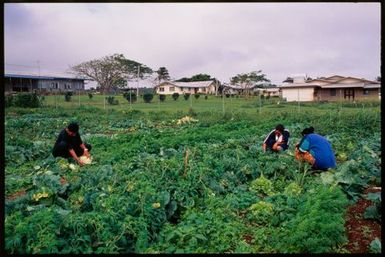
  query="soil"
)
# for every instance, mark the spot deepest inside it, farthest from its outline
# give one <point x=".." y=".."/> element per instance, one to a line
<point x="248" y="238"/>
<point x="361" y="232"/>
<point x="16" y="195"/>
<point x="63" y="181"/>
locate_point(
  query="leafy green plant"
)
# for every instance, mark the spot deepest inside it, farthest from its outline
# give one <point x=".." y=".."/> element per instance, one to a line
<point x="374" y="211"/>
<point x="262" y="186"/>
<point x="319" y="224"/>
<point x="375" y="246"/>
<point x="293" y="189"/>
<point x="261" y="212"/>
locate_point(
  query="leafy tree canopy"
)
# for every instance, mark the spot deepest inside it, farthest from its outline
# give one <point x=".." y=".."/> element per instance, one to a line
<point x="111" y="71"/>
<point x="197" y="77"/>
<point x="249" y="80"/>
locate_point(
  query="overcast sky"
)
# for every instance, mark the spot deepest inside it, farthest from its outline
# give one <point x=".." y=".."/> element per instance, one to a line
<point x="219" y="39"/>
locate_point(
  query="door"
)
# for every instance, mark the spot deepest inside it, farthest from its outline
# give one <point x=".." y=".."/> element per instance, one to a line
<point x="349" y="94"/>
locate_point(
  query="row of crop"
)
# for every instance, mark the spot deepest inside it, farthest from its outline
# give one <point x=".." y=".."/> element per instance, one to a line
<point x="191" y="188"/>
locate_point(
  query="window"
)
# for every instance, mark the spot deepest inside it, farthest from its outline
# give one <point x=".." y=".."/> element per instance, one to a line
<point x="333" y="92"/>
<point x="366" y="91"/>
<point x="204" y="89"/>
<point x="172" y="89"/>
<point x="161" y="89"/>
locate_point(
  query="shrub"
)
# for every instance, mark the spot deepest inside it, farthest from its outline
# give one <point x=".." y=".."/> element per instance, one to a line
<point x="175" y="96"/>
<point x="197" y="96"/>
<point x="228" y="95"/>
<point x="128" y="95"/>
<point x="111" y="100"/>
<point x="147" y="97"/>
<point x="90" y="95"/>
<point x="67" y="96"/>
<point x="29" y="100"/>
<point x="8" y="99"/>
<point x="206" y="97"/>
<point x="162" y="98"/>
<point x="186" y="96"/>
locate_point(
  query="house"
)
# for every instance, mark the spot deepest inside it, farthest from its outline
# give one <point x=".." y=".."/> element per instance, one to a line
<point x="232" y="89"/>
<point x="195" y="87"/>
<point x="334" y="88"/>
<point x="269" y="91"/>
<point x="263" y="89"/>
<point x="30" y="83"/>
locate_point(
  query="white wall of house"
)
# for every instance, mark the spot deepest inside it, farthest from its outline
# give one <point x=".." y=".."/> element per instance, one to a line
<point x="169" y="89"/>
<point x="298" y="94"/>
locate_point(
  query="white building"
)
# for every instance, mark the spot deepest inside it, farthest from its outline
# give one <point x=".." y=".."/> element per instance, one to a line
<point x="196" y="87"/>
<point x="334" y="88"/>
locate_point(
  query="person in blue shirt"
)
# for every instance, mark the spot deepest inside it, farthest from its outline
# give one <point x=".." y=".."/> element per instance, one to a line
<point x="316" y="150"/>
<point x="277" y="140"/>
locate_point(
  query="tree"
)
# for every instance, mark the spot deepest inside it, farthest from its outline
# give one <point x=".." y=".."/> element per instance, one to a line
<point x="197" y="77"/>
<point x="111" y="71"/>
<point x="163" y="74"/>
<point x="247" y="81"/>
<point x="378" y="79"/>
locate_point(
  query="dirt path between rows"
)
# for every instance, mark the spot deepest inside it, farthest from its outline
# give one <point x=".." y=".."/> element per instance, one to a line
<point x="361" y="232"/>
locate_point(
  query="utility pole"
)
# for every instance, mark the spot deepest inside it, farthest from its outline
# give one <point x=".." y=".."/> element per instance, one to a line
<point x="38" y="66"/>
<point x="137" y="83"/>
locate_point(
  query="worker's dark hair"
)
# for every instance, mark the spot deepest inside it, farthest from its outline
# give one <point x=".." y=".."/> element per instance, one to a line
<point x="73" y="127"/>
<point x="280" y="127"/>
<point x="308" y="130"/>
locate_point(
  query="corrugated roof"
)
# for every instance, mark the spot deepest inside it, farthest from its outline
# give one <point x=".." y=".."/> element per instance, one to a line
<point x="333" y="82"/>
<point x="194" y="84"/>
<point x="341" y="85"/>
<point x="29" y="76"/>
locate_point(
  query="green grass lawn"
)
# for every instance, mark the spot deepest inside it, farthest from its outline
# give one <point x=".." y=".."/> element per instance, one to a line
<point x="252" y="105"/>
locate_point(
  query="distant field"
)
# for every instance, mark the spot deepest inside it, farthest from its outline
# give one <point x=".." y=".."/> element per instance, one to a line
<point x="212" y="104"/>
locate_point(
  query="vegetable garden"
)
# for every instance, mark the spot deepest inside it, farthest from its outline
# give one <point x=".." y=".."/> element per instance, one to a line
<point x="161" y="182"/>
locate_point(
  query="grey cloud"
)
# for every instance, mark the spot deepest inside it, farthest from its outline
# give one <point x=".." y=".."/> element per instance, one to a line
<point x="221" y="39"/>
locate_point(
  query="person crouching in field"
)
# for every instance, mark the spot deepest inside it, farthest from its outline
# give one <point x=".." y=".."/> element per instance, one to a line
<point x="69" y="144"/>
<point x="316" y="150"/>
<point x="277" y="140"/>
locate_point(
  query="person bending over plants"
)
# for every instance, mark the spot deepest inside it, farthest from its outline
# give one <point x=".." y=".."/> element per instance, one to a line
<point x="277" y="140"/>
<point x="69" y="144"/>
<point x="316" y="150"/>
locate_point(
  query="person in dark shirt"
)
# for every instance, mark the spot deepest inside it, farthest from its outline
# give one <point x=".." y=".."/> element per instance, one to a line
<point x="277" y="140"/>
<point x="69" y="144"/>
<point x="316" y="150"/>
